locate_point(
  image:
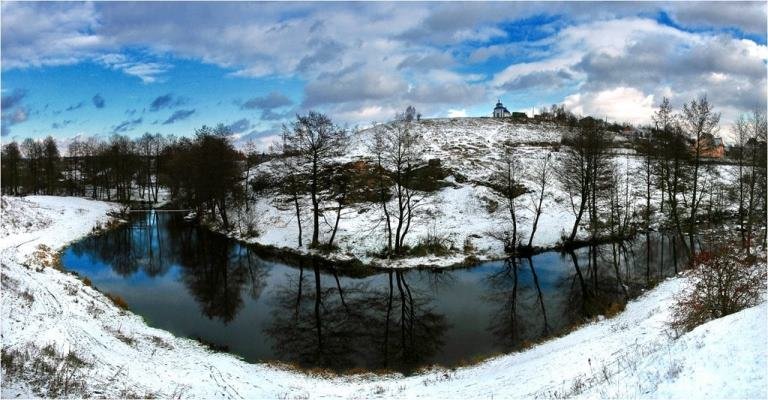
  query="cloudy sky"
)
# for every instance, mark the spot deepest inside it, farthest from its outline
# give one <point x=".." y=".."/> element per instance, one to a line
<point x="102" y="68"/>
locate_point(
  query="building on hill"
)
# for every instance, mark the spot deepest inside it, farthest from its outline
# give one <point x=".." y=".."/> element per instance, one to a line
<point x="500" y="111"/>
<point x="711" y="147"/>
<point x="519" y="115"/>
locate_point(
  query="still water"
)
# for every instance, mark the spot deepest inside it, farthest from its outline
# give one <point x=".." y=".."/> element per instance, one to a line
<point x="201" y="285"/>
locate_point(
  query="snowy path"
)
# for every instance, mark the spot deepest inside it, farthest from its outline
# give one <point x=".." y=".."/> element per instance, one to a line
<point x="627" y="356"/>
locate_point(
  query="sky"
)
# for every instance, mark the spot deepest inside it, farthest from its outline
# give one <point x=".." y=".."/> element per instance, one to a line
<point x="74" y="69"/>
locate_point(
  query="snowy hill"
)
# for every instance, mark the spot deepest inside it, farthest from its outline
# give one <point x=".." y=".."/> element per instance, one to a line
<point x="467" y="145"/>
<point x="462" y="210"/>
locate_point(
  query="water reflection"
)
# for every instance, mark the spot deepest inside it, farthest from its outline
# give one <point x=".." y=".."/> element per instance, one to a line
<point x="199" y="284"/>
<point x="320" y="323"/>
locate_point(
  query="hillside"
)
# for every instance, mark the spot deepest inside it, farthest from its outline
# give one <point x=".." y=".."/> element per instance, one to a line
<point x="458" y="210"/>
<point x="47" y="313"/>
<point x="468" y="145"/>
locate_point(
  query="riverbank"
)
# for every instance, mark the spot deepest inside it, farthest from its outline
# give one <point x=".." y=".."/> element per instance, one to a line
<point x="458" y="219"/>
<point x="54" y="318"/>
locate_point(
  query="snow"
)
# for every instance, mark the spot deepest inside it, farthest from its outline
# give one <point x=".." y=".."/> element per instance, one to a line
<point x="460" y="212"/>
<point x="725" y="358"/>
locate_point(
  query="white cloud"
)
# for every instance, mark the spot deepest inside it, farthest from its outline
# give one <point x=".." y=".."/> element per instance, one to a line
<point x="366" y="114"/>
<point x="607" y="58"/>
<point x="457" y="113"/>
<point x="371" y="59"/>
<point x="148" y="72"/>
<point x="38" y="34"/>
<point x="622" y="104"/>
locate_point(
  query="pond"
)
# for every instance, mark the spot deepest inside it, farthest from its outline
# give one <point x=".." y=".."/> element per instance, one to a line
<point x="198" y="284"/>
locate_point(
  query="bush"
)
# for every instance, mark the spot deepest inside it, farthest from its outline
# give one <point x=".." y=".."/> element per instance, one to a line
<point x="469" y="247"/>
<point x="119" y="301"/>
<point x="724" y="281"/>
<point x="47" y="372"/>
<point x="431" y="244"/>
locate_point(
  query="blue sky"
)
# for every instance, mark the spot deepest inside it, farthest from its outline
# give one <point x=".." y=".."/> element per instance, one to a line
<point x="95" y="69"/>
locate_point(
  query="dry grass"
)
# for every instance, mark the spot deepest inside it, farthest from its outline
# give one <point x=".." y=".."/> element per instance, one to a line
<point x="118" y="301"/>
<point x="47" y="372"/>
<point x="45" y="257"/>
<point x="614" y="309"/>
<point x="160" y="342"/>
<point x="27" y="296"/>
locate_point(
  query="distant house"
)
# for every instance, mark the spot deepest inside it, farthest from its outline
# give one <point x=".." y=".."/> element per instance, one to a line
<point x="711" y="147"/>
<point x="632" y="133"/>
<point x="519" y="115"/>
<point x="500" y="111"/>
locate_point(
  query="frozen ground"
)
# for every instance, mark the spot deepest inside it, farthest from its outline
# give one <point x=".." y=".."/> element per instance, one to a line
<point x="465" y="213"/>
<point x="628" y="356"/>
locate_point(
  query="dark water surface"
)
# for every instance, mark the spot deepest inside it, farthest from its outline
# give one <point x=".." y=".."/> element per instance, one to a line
<point x="198" y="284"/>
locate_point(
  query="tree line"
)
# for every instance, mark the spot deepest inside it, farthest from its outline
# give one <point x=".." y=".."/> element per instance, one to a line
<point x="310" y="175"/>
<point x="201" y="172"/>
<point x="674" y="179"/>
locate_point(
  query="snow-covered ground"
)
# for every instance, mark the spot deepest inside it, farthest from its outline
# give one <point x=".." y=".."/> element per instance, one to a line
<point x="628" y="356"/>
<point x="464" y="212"/>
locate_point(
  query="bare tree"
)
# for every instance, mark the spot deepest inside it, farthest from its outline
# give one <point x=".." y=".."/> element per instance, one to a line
<point x="672" y="157"/>
<point x="338" y="186"/>
<point x="755" y="177"/>
<point x="700" y="123"/>
<point x="291" y="184"/>
<point x="582" y="172"/>
<point x="51" y="159"/>
<point x="315" y="140"/>
<point x="621" y="200"/>
<point x="383" y="182"/>
<point x="506" y="180"/>
<point x="250" y="161"/>
<point x="542" y="176"/>
<point x="400" y="150"/>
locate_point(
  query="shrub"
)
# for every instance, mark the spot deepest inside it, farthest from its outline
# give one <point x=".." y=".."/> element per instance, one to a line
<point x="45" y="257"/>
<point x="469" y="247"/>
<point x="47" y="372"/>
<point x="724" y="281"/>
<point x="118" y="301"/>
<point x="614" y="309"/>
<point x="431" y="244"/>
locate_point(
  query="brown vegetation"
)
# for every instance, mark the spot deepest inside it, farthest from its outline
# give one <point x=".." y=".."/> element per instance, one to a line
<point x="724" y="282"/>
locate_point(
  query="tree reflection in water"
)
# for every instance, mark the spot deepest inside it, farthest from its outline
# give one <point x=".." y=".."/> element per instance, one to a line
<point x="521" y="314"/>
<point x="321" y="324"/>
<point x="216" y="271"/>
<point x="310" y="324"/>
<point x="397" y="320"/>
<point x="139" y="246"/>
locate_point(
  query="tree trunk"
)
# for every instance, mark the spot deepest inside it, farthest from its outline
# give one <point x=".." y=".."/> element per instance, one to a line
<point x="298" y="214"/>
<point x="575" y="229"/>
<point x="315" y="206"/>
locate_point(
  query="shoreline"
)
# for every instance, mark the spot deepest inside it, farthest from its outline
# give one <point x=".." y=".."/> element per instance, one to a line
<point x="114" y="343"/>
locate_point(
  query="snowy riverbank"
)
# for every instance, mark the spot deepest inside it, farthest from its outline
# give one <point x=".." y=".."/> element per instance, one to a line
<point x="461" y="212"/>
<point x="630" y="355"/>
